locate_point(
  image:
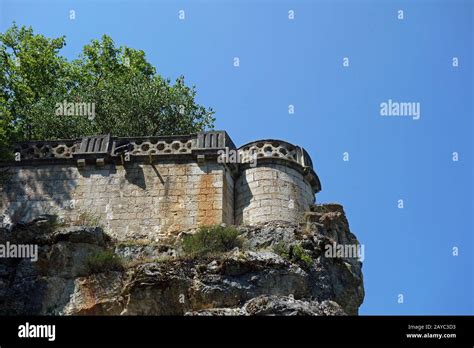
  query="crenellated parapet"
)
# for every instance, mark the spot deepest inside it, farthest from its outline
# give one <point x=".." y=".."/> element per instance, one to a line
<point x="111" y="149"/>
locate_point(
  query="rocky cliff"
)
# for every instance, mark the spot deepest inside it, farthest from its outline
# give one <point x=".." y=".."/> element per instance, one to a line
<point x="279" y="269"/>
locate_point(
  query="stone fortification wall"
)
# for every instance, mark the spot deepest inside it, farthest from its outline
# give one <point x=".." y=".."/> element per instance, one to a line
<point x="154" y="187"/>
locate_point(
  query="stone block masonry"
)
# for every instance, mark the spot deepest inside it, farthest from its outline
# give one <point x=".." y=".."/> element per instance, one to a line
<point x="271" y="192"/>
<point x="155" y="187"/>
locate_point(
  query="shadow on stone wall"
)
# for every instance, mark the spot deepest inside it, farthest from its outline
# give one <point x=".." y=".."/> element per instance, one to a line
<point x="27" y="192"/>
<point x="158" y="175"/>
<point x="242" y="198"/>
<point x="135" y="176"/>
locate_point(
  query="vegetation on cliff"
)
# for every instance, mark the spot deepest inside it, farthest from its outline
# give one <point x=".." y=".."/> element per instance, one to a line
<point x="274" y="268"/>
<point x="211" y="239"/>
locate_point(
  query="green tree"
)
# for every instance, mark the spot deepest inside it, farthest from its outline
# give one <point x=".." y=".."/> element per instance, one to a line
<point x="129" y="97"/>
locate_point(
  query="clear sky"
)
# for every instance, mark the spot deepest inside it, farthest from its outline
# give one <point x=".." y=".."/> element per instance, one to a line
<point x="299" y="62"/>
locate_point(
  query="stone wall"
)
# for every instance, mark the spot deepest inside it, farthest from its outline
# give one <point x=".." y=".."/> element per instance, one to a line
<point x="154" y="187"/>
<point x="271" y="192"/>
<point x="132" y="201"/>
<point x="228" y="202"/>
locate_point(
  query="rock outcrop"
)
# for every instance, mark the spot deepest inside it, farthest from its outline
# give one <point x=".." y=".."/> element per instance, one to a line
<point x="281" y="269"/>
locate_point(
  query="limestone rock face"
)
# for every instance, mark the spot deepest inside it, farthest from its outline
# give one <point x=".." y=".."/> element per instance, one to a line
<point x="260" y="278"/>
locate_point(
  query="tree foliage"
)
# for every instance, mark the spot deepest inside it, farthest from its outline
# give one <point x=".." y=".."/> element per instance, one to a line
<point x="129" y="97"/>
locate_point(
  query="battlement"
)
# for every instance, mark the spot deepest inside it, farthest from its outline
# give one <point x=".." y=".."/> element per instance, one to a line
<point x="152" y="187"/>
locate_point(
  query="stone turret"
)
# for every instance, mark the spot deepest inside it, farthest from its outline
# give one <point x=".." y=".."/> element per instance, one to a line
<point x="280" y="186"/>
<point x="152" y="187"/>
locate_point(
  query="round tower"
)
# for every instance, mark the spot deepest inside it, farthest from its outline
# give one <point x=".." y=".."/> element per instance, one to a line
<point x="276" y="181"/>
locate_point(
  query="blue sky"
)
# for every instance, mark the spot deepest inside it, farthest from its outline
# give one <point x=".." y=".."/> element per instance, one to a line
<point x="337" y="109"/>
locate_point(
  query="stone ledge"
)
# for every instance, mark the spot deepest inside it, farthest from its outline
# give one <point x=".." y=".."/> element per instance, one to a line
<point x="200" y="147"/>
